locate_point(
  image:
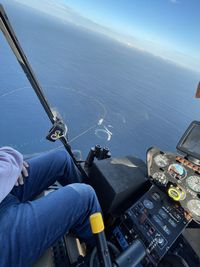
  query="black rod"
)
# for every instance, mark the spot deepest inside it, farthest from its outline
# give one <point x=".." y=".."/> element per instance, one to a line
<point x="17" y="50"/>
<point x="12" y="40"/>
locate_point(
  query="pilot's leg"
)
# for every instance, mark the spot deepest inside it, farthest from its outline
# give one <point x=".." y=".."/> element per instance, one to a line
<point x="28" y="229"/>
<point x="44" y="170"/>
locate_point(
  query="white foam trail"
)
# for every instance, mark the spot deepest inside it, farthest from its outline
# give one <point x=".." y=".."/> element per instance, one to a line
<point x="13" y="91"/>
<point x="100" y="121"/>
<point x="106" y="131"/>
<point x="109" y="132"/>
<point x="93" y="99"/>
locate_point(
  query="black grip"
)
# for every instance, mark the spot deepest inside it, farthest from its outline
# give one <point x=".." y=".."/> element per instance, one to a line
<point x="132" y="255"/>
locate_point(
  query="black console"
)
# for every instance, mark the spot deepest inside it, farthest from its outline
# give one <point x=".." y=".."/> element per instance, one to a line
<point x="118" y="182"/>
<point x="160" y="212"/>
<point x="154" y="219"/>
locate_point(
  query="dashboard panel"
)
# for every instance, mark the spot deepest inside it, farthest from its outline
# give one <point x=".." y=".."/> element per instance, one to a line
<point x="179" y="177"/>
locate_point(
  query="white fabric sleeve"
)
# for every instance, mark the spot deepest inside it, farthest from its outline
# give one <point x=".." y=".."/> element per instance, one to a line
<point x="11" y="162"/>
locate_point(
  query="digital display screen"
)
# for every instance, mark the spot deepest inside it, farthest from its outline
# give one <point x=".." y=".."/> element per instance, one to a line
<point x="190" y="142"/>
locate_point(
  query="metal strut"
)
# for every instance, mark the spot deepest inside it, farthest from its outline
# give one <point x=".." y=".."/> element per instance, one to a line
<point x="14" y="44"/>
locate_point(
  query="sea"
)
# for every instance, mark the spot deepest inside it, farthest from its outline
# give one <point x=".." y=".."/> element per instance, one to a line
<point x="106" y="92"/>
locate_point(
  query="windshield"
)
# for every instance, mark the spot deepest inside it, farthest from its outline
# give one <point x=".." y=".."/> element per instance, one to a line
<point x="24" y="123"/>
<point x="107" y="91"/>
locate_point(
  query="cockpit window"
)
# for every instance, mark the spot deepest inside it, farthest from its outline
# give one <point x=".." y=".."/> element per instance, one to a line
<point x="107" y="91"/>
<point x="24" y="123"/>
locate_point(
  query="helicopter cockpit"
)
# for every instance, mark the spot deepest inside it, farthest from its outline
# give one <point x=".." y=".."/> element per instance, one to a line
<point x="163" y="212"/>
<point x="147" y="207"/>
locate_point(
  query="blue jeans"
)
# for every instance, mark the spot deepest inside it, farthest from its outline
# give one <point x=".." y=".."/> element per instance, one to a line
<point x="28" y="227"/>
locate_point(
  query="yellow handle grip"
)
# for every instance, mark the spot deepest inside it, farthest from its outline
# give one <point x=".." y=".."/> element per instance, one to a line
<point x="96" y="223"/>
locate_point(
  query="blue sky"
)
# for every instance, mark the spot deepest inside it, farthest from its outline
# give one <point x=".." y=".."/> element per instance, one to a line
<point x="172" y="24"/>
<point x="175" y="22"/>
<point x="166" y="28"/>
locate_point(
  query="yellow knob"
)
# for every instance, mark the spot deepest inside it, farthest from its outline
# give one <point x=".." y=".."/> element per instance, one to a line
<point x="174" y="193"/>
<point x="96" y="223"/>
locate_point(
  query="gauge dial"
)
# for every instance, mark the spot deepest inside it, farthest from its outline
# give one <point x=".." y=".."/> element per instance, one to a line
<point x="177" y="171"/>
<point x="160" y="177"/>
<point x="193" y="183"/>
<point x="194" y="206"/>
<point x="176" y="193"/>
<point x="161" y="160"/>
<point x="148" y="204"/>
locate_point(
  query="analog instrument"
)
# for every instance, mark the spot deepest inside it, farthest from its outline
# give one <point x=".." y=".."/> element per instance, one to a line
<point x="148" y="204"/>
<point x="177" y="171"/>
<point x="194" y="206"/>
<point x="193" y="183"/>
<point x="160" y="177"/>
<point x="161" y="161"/>
<point x="176" y="193"/>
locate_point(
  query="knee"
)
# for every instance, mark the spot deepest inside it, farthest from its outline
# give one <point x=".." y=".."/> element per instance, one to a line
<point x="87" y="197"/>
<point x="61" y="157"/>
<point x="86" y="192"/>
<point x="83" y="189"/>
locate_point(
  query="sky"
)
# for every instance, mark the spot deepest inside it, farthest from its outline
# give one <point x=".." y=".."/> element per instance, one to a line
<point x="171" y="25"/>
<point x="165" y="28"/>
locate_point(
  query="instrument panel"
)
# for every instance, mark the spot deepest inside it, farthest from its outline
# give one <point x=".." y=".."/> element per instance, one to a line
<point x="154" y="219"/>
<point x="178" y="177"/>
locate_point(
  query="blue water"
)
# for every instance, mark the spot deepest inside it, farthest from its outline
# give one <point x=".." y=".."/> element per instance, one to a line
<point x="107" y="93"/>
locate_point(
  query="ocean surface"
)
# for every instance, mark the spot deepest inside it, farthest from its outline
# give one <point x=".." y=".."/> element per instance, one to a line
<point x="107" y="93"/>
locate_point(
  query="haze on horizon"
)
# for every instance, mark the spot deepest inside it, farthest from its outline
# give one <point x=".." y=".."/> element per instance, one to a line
<point x="164" y="28"/>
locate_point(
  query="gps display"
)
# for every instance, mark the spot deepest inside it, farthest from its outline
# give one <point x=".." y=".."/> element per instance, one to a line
<point x="190" y="141"/>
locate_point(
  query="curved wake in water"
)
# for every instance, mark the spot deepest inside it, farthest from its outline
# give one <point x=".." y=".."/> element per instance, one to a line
<point x="14" y="91"/>
<point x="100" y="121"/>
<point x="100" y="129"/>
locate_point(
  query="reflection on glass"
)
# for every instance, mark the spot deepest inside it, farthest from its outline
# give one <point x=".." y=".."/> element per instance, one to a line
<point x="24" y="123"/>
